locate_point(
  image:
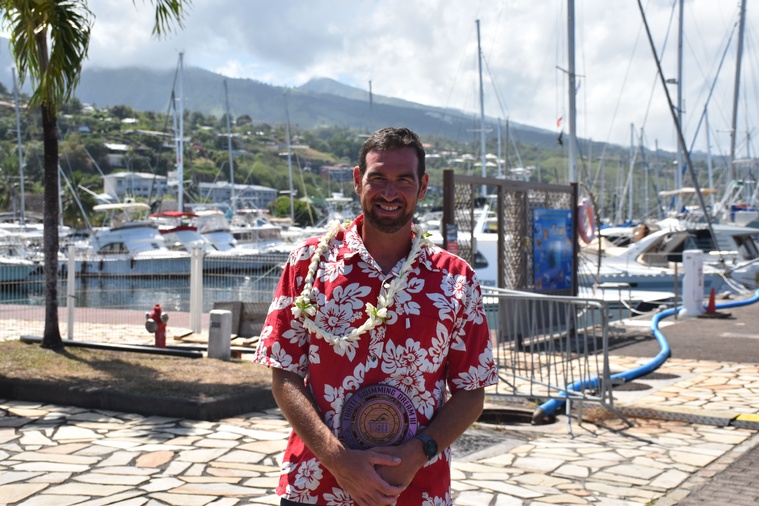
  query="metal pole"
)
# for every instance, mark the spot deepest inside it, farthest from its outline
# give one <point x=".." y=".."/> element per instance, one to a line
<point x="22" y="215"/>
<point x="483" y="158"/>
<point x="196" y="289"/>
<point x="289" y="161"/>
<point x="679" y="171"/>
<point x="572" y="93"/>
<point x="630" y="184"/>
<point x="70" y="292"/>
<point x="229" y="149"/>
<point x="736" y="91"/>
<point x="180" y="144"/>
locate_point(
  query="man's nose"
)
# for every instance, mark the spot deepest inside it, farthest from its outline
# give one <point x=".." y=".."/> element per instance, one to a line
<point x="389" y="191"/>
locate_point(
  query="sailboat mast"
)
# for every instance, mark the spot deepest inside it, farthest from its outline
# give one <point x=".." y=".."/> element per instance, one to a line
<point x="709" y="160"/>
<point x="22" y="216"/>
<point x="498" y="160"/>
<point x="483" y="158"/>
<point x="679" y="170"/>
<point x="180" y="143"/>
<point x="630" y="184"/>
<point x="572" y="92"/>
<point x="371" y="107"/>
<point x="229" y="149"/>
<point x="736" y="91"/>
<point x="289" y="160"/>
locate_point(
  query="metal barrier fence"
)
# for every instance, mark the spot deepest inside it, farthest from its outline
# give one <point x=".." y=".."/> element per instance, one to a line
<point x="550" y="349"/>
<point x="546" y="347"/>
<point x="112" y="308"/>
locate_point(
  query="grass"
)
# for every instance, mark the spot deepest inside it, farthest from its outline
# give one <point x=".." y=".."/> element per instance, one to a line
<point x="129" y="372"/>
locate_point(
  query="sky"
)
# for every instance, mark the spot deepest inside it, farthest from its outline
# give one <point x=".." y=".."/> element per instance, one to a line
<point x="425" y="51"/>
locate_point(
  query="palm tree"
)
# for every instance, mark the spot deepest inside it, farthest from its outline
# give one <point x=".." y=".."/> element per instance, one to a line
<point x="49" y="40"/>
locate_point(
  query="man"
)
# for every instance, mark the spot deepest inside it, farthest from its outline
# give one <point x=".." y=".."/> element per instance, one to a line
<point x="368" y="327"/>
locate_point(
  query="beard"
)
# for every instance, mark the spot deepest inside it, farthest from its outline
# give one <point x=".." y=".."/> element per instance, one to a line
<point x="386" y="224"/>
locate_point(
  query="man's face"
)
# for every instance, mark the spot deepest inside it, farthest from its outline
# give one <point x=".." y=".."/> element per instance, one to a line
<point x="390" y="188"/>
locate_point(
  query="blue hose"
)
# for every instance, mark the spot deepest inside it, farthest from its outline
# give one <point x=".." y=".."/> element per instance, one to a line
<point x="549" y="407"/>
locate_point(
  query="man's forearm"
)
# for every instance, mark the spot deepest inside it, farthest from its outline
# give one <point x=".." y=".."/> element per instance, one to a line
<point x="298" y="406"/>
<point x="457" y="414"/>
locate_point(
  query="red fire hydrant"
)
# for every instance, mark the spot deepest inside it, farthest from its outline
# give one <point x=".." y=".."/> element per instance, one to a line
<point x="156" y="324"/>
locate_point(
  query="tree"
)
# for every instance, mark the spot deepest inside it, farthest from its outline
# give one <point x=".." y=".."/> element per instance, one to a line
<point x="49" y="40"/>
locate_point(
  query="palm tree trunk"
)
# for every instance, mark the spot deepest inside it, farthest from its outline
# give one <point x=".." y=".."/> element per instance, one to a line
<point x="51" y="337"/>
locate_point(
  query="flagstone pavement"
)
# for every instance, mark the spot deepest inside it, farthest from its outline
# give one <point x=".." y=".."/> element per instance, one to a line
<point x="58" y="455"/>
<point x="693" y="434"/>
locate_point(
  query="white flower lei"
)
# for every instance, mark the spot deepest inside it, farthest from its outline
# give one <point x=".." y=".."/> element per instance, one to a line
<point x="305" y="309"/>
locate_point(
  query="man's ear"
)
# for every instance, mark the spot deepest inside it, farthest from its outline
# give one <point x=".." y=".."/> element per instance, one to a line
<point x="423" y="186"/>
<point x="357" y="179"/>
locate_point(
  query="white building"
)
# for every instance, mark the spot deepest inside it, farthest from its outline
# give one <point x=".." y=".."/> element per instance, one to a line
<point x="135" y="184"/>
<point x="116" y="153"/>
<point x="245" y="195"/>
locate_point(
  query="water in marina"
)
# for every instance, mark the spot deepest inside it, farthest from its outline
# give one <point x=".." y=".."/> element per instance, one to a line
<point x="138" y="293"/>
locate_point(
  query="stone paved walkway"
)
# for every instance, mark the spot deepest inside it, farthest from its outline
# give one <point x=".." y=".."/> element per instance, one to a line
<point x="694" y="440"/>
<point x="57" y="455"/>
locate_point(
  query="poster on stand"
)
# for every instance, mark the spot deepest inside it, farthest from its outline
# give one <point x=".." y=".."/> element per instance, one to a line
<point x="552" y="249"/>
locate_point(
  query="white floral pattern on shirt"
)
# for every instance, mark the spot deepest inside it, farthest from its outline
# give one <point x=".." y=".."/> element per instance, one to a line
<point x="434" y="340"/>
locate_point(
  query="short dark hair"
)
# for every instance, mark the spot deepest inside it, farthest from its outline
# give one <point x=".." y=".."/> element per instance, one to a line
<point x="390" y="139"/>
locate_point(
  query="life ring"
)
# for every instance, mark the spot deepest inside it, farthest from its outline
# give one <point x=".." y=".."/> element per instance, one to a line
<point x="586" y="223"/>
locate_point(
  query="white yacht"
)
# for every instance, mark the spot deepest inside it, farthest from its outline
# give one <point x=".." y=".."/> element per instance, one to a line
<point x="731" y="258"/>
<point x="127" y="245"/>
<point x="214" y="225"/>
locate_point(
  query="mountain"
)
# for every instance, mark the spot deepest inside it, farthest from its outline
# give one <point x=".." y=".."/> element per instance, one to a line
<point x="319" y="102"/>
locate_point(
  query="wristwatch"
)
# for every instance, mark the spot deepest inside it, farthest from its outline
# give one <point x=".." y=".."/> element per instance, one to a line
<point x="429" y="445"/>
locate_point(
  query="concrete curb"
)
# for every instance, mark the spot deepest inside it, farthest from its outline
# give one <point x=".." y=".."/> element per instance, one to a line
<point x="149" y="405"/>
<point x="692" y="415"/>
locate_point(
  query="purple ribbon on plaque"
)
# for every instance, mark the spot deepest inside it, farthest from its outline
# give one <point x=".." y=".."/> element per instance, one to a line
<point x="378" y="415"/>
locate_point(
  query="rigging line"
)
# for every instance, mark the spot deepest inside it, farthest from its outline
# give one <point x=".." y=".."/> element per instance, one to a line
<point x="459" y="72"/>
<point x="72" y="191"/>
<point x="495" y="87"/>
<point x="619" y="97"/>
<point x="309" y="207"/>
<point x="559" y="83"/>
<point x="680" y="138"/>
<point x="501" y="107"/>
<point x="697" y="60"/>
<point x="663" y="50"/>
<point x="750" y="41"/>
<point x="586" y="167"/>
<point x="711" y="88"/>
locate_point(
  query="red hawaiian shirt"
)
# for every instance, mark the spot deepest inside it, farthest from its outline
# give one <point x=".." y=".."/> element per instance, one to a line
<point x="435" y="340"/>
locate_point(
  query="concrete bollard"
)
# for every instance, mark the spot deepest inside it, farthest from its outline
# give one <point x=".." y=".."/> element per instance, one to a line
<point x="693" y="283"/>
<point x="220" y="334"/>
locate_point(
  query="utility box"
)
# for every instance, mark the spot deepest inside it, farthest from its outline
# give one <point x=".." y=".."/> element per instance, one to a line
<point x="220" y="334"/>
<point x="693" y="283"/>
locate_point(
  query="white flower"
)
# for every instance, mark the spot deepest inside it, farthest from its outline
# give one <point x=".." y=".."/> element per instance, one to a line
<point x="304" y="308"/>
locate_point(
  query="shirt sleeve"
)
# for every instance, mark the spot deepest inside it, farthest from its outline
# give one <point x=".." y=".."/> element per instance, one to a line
<point x="470" y="360"/>
<point x="284" y="342"/>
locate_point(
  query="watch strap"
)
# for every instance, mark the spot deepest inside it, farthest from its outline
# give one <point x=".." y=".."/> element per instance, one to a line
<point x="429" y="445"/>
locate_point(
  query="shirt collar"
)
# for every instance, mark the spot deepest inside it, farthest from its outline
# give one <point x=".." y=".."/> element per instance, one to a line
<point x="353" y="245"/>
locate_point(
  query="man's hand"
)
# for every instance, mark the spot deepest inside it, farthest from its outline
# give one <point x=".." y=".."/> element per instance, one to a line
<point x="411" y="457"/>
<point x="359" y="473"/>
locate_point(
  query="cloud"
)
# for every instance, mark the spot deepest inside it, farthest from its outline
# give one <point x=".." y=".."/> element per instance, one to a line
<point x="426" y="51"/>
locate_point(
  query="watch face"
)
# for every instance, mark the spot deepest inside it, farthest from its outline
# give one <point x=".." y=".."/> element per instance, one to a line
<point x="430" y="448"/>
